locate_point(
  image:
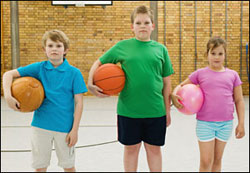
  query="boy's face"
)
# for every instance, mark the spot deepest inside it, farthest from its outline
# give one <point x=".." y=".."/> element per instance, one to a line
<point x="55" y="51"/>
<point x="142" y="27"/>
<point x="216" y="57"/>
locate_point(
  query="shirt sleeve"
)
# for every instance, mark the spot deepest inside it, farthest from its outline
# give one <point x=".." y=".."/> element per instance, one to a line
<point x="237" y="80"/>
<point x="167" y="67"/>
<point x="79" y="85"/>
<point x="31" y="70"/>
<point x="194" y="77"/>
<point x="111" y="55"/>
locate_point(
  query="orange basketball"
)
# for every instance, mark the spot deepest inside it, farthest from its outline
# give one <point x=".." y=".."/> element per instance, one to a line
<point x="110" y="78"/>
<point x="29" y="93"/>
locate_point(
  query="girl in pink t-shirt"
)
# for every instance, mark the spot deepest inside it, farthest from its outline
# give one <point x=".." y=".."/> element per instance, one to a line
<point x="222" y="90"/>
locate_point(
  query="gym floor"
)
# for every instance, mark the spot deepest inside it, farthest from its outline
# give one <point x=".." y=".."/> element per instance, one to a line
<point x="98" y="149"/>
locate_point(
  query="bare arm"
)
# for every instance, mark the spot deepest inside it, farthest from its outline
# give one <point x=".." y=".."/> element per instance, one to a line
<point x="175" y="97"/>
<point x="7" y="82"/>
<point x="95" y="90"/>
<point x="240" y="109"/>
<point x="72" y="137"/>
<point x="166" y="95"/>
<point x="78" y="110"/>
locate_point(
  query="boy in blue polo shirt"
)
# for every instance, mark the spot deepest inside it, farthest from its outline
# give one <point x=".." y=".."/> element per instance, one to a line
<point x="58" y="118"/>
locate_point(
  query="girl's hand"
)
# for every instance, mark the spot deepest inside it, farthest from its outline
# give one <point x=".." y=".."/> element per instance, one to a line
<point x="95" y="90"/>
<point x="13" y="103"/>
<point x="239" y="131"/>
<point x="175" y="101"/>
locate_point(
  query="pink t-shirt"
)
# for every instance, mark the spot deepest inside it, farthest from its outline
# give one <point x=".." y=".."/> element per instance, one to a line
<point x="218" y="89"/>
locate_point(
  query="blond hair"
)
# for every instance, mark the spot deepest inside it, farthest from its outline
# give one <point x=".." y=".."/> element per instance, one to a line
<point x="56" y="35"/>
<point x="142" y="10"/>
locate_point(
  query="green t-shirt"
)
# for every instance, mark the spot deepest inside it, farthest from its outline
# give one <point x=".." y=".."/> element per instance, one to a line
<point x="145" y="64"/>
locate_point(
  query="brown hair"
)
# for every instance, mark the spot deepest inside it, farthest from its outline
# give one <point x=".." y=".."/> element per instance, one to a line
<point x="56" y="35"/>
<point x="142" y="10"/>
<point x="215" y="42"/>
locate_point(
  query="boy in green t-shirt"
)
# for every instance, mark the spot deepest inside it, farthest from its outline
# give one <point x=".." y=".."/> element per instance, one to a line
<point x="144" y="104"/>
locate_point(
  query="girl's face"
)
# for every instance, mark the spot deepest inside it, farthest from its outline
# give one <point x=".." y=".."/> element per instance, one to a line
<point x="55" y="51"/>
<point x="216" y="58"/>
<point x="142" y="27"/>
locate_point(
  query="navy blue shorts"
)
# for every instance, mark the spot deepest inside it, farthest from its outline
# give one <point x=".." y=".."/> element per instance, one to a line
<point x="132" y="131"/>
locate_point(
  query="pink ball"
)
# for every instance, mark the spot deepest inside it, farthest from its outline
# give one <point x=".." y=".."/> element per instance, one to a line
<point x="192" y="99"/>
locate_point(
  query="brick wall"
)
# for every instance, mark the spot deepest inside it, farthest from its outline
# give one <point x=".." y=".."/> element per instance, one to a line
<point x="93" y="30"/>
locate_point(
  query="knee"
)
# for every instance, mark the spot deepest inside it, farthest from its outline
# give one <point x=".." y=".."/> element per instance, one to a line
<point x="217" y="160"/>
<point x="153" y="150"/>
<point x="133" y="149"/>
<point x="206" y="162"/>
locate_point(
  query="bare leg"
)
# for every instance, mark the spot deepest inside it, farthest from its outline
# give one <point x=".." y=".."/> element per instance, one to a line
<point x="218" y="153"/>
<point x="70" y="169"/>
<point x="131" y="153"/>
<point x="154" y="157"/>
<point x="41" y="170"/>
<point x="206" y="155"/>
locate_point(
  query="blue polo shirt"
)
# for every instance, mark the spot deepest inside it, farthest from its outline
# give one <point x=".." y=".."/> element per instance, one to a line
<point x="60" y="85"/>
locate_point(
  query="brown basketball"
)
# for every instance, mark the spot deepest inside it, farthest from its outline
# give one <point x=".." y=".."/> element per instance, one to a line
<point x="29" y="93"/>
<point x="110" y="78"/>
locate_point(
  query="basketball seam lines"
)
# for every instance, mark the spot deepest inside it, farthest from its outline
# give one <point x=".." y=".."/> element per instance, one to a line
<point x="109" y="78"/>
<point x="113" y="88"/>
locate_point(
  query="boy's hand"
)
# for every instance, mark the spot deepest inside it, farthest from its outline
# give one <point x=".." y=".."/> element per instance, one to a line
<point x="175" y="101"/>
<point x="96" y="91"/>
<point x="239" y="131"/>
<point x="13" y="103"/>
<point x="72" y="138"/>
